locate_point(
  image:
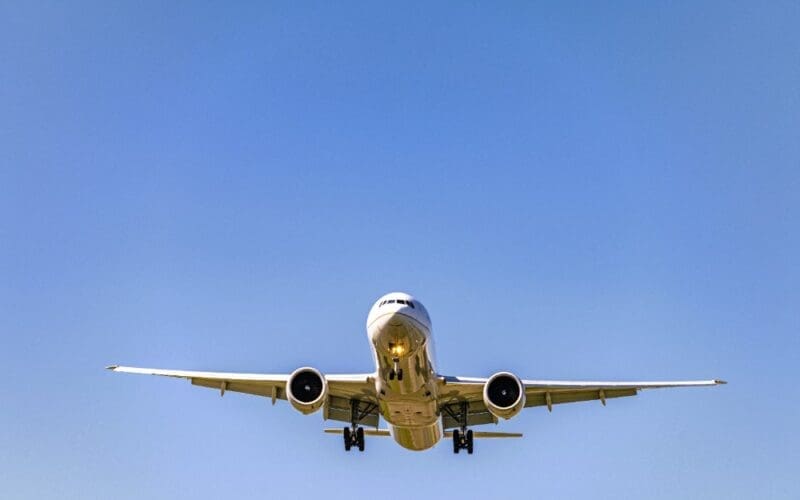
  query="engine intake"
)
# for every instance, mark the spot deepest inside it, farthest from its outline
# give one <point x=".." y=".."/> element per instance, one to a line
<point x="504" y="395"/>
<point x="306" y="390"/>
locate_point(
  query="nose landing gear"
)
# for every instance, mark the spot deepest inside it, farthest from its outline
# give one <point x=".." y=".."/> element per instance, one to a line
<point x="396" y="371"/>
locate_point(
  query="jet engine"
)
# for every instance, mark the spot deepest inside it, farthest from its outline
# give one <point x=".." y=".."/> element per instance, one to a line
<point x="306" y="390"/>
<point x="504" y="395"/>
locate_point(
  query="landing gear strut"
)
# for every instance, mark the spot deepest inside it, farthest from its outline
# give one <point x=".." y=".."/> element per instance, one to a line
<point x="463" y="439"/>
<point x="354" y="435"/>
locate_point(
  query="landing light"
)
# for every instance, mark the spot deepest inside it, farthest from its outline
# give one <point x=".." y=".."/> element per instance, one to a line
<point x="397" y="349"/>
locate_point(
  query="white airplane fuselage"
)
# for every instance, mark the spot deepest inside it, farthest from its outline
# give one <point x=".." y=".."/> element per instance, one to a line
<point x="399" y="330"/>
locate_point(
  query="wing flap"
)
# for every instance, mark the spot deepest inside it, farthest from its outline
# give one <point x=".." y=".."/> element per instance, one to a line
<point x="535" y="398"/>
<point x="339" y="409"/>
<point x="256" y="389"/>
<point x="477" y="414"/>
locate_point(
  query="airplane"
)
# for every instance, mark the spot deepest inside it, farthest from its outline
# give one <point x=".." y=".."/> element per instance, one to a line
<point x="420" y="405"/>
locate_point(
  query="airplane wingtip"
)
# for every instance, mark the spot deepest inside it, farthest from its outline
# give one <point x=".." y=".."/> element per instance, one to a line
<point x="112" y="367"/>
<point x="720" y="382"/>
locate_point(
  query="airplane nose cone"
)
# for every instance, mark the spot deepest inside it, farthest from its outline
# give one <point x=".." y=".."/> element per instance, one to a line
<point x="397" y="334"/>
<point x="395" y="324"/>
<point x="396" y="320"/>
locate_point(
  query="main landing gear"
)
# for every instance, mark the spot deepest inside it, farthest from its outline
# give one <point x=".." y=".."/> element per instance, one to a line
<point x="463" y="439"/>
<point x="354" y="435"/>
<point x="396" y="372"/>
<point x="354" y="438"/>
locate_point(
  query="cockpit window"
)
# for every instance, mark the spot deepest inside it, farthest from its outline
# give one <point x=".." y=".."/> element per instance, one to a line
<point x="398" y="301"/>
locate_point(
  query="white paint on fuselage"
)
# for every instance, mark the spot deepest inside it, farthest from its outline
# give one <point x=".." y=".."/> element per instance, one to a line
<point x="399" y="330"/>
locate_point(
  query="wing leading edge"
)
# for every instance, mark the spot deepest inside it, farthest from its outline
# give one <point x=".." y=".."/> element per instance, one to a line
<point x="258" y="384"/>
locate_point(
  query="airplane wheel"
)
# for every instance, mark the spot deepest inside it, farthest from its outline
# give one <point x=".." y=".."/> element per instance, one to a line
<point x="347" y="439"/>
<point x="400" y="374"/>
<point x="456" y="442"/>
<point x="391" y="375"/>
<point x="469" y="441"/>
<point x="360" y="438"/>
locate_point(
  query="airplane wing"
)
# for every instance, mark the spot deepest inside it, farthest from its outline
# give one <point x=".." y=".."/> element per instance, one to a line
<point x="455" y="390"/>
<point x="343" y="390"/>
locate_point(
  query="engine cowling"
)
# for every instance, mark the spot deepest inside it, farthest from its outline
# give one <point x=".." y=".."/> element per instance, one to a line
<point x="306" y="390"/>
<point x="504" y="395"/>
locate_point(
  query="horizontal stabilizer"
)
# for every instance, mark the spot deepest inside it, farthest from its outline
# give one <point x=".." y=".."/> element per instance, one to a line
<point x="367" y="432"/>
<point x="488" y="434"/>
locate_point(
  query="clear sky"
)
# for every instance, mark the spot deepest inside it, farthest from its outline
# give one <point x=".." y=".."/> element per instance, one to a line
<point x="575" y="190"/>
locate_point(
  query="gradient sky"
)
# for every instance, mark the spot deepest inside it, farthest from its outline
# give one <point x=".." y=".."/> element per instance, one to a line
<point x="601" y="191"/>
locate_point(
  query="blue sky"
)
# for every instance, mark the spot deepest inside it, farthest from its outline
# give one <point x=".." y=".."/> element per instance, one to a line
<point x="603" y="191"/>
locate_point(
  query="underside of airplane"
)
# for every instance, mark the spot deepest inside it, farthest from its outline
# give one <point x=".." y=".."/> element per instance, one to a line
<point x="419" y="405"/>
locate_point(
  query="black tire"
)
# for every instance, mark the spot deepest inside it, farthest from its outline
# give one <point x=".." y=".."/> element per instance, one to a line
<point x="456" y="442"/>
<point x="469" y="441"/>
<point x="400" y="375"/>
<point x="360" y="438"/>
<point x="391" y="375"/>
<point x="347" y="439"/>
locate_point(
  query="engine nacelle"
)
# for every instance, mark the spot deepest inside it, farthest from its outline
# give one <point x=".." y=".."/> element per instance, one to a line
<point x="306" y="390"/>
<point x="504" y="395"/>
